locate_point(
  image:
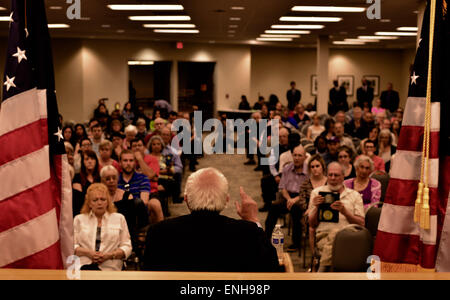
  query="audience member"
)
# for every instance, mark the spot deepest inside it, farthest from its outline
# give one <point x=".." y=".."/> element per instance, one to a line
<point x="350" y="207"/>
<point x="105" y="149"/>
<point x="373" y="136"/>
<point x="140" y="114"/>
<point x="291" y="179"/>
<point x="317" y="178"/>
<point x="315" y="129"/>
<point x="171" y="154"/>
<point x="205" y="240"/>
<point x="376" y="108"/>
<point x="339" y="133"/>
<point x="146" y="164"/>
<point x="117" y="145"/>
<point x="97" y="137"/>
<point x="83" y="145"/>
<point x="345" y="157"/>
<point x="369" y="150"/>
<point x="89" y="173"/>
<point x="244" y="105"/>
<point x="293" y="96"/>
<point x="138" y="185"/>
<point x="101" y="236"/>
<point x="259" y="103"/>
<point x="300" y="116"/>
<point x="141" y="127"/>
<point x="69" y="135"/>
<point x="369" y="188"/>
<point x="70" y="158"/>
<point x="328" y="133"/>
<point x="321" y="145"/>
<point x="364" y="94"/>
<point x="79" y="133"/>
<point x="127" y="114"/>
<point x="173" y="115"/>
<point x="338" y="99"/>
<point x="159" y="124"/>
<point x="355" y="128"/>
<point x="385" y="148"/>
<point x="133" y="209"/>
<point x="130" y="134"/>
<point x="332" y="154"/>
<point x="389" y="98"/>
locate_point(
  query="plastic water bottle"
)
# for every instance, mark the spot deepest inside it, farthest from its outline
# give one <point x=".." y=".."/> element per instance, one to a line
<point x="278" y="241"/>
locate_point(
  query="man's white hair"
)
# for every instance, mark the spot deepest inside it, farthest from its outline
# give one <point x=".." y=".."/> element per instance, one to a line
<point x="206" y="189"/>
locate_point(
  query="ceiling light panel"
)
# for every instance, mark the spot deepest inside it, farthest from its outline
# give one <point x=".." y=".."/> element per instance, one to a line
<point x="169" y="25"/>
<point x="287" y="31"/>
<point x="300" y="26"/>
<point x="144" y="7"/>
<point x="274" y="39"/>
<point x="396" y="33"/>
<point x="159" y="18"/>
<point x="328" y="9"/>
<point x="310" y="19"/>
<point x="176" y="31"/>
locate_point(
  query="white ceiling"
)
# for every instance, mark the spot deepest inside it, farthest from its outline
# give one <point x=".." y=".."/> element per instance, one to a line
<point x="212" y="18"/>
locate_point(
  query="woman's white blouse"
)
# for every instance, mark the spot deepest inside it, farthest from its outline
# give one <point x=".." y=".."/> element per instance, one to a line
<point x="114" y="234"/>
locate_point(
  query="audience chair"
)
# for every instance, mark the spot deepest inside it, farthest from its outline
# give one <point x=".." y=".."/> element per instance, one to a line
<point x="351" y="248"/>
<point x="371" y="220"/>
<point x="383" y="178"/>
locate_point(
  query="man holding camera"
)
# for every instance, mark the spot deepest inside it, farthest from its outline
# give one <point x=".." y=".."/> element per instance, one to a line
<point x="351" y="211"/>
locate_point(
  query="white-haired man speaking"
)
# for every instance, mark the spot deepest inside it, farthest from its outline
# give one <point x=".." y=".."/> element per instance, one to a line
<point x="206" y="241"/>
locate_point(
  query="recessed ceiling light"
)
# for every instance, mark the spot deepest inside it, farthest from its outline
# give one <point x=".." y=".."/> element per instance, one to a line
<point x="288" y="31"/>
<point x="274" y="39"/>
<point x="231" y="35"/>
<point x="328" y="9"/>
<point x="361" y="27"/>
<point x="372" y="37"/>
<point x="237" y="8"/>
<point x="407" y="28"/>
<point x="385" y="20"/>
<point x="231" y="31"/>
<point x="85" y="18"/>
<point x="160" y="18"/>
<point x="310" y="19"/>
<point x="384" y="33"/>
<point x="233" y="26"/>
<point x="120" y="31"/>
<point x="169" y="25"/>
<point x="106" y="26"/>
<point x="144" y="7"/>
<point x="297" y="26"/>
<point x="212" y="42"/>
<point x="51" y="7"/>
<point x="176" y="31"/>
<point x="55" y="26"/>
<point x="140" y="62"/>
<point x="343" y="33"/>
<point x="348" y="43"/>
<point x="235" y="19"/>
<point x="362" y="40"/>
<point x="279" y="35"/>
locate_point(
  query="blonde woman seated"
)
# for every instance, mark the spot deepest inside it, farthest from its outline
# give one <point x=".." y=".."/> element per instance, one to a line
<point x="315" y="129"/>
<point x="101" y="235"/>
<point x="369" y="188"/>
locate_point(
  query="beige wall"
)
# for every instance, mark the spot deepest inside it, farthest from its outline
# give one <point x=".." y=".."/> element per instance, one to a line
<point x="274" y="68"/>
<point x="87" y="70"/>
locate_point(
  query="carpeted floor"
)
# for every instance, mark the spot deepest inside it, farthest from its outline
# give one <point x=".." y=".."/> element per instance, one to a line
<point x="238" y="174"/>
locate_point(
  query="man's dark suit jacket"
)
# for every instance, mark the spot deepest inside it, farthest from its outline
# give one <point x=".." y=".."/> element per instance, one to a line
<point x="293" y="98"/>
<point x="206" y="241"/>
<point x="364" y="96"/>
<point x="390" y="100"/>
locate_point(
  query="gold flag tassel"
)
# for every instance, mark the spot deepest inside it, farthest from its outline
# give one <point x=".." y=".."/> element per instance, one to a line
<point x="425" y="211"/>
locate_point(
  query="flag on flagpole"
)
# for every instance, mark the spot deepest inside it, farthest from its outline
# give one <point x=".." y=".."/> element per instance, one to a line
<point x="35" y="195"/>
<point x="401" y="243"/>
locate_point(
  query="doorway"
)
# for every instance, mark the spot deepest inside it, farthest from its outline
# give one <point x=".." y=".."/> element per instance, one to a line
<point x="196" y="87"/>
<point x="148" y="82"/>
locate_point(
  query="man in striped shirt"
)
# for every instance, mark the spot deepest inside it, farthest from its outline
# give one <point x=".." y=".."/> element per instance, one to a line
<point x="138" y="185"/>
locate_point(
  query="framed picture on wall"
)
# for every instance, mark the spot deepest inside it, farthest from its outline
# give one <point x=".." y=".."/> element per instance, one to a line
<point x="313" y="85"/>
<point x="348" y="81"/>
<point x="374" y="82"/>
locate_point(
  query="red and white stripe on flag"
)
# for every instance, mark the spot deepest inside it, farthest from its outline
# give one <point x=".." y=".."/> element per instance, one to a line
<point x="399" y="239"/>
<point x="35" y="198"/>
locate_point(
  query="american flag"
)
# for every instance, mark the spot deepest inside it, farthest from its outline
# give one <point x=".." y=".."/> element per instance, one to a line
<point x="35" y="194"/>
<point x="401" y="243"/>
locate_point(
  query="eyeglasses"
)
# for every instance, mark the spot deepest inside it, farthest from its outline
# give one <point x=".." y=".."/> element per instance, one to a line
<point x="343" y="156"/>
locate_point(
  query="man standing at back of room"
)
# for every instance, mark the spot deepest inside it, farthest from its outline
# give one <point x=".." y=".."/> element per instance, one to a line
<point x="293" y="96"/>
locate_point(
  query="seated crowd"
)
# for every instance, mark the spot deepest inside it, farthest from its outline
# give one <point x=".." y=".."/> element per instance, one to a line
<point x="125" y="170"/>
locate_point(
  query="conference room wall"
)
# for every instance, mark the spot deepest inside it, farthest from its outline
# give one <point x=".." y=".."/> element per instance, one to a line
<point x="105" y="71"/>
<point x="273" y="69"/>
